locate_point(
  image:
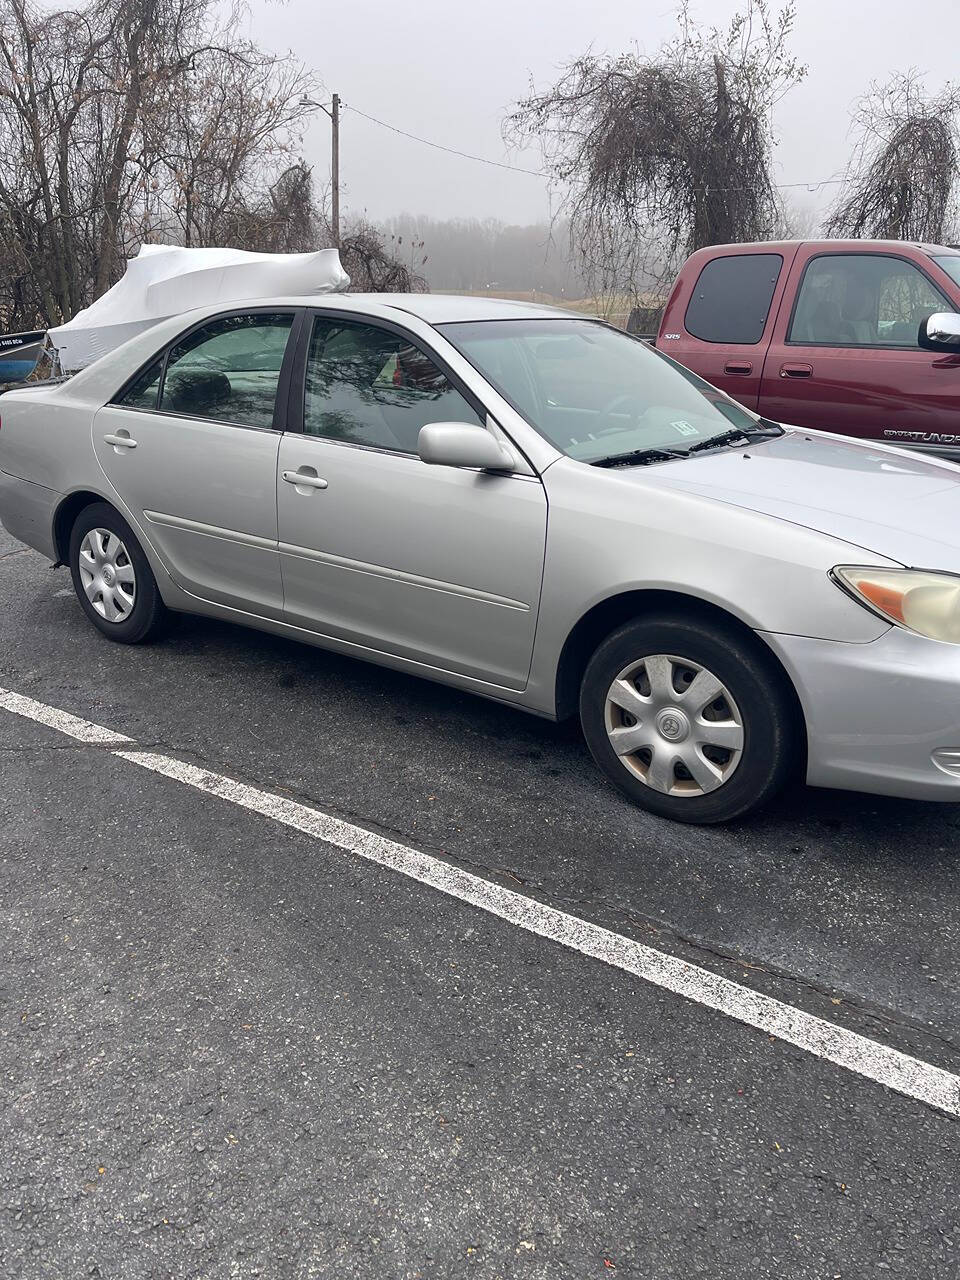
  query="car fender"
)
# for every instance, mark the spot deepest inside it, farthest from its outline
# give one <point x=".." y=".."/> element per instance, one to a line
<point x="621" y="534"/>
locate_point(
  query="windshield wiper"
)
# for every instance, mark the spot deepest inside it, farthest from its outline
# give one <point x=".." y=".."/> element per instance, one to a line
<point x="639" y="457"/>
<point x="768" y="431"/>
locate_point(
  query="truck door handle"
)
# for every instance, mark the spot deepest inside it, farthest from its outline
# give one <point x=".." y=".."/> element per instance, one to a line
<point x="120" y="442"/>
<point x="305" y="478"/>
<point x="738" y="366"/>
<point x="796" y="370"/>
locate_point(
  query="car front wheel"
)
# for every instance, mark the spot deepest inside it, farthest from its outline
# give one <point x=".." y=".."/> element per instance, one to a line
<point x="112" y="578"/>
<point x="692" y="723"/>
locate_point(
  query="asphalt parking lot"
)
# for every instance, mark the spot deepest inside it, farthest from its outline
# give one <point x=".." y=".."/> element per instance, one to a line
<point x="233" y="1047"/>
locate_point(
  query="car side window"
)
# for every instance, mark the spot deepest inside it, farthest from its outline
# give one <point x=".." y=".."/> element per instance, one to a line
<point x="732" y="297"/>
<point x="863" y="300"/>
<point x="143" y="391"/>
<point x="229" y="369"/>
<point x="368" y="386"/>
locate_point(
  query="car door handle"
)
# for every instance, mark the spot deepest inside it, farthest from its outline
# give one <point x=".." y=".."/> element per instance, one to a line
<point x="304" y="479"/>
<point x="120" y="442"/>
<point x="796" y="370"/>
<point x="741" y="367"/>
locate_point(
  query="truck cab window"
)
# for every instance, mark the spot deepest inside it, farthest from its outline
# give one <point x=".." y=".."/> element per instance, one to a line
<point x="863" y="300"/>
<point x="732" y="297"/>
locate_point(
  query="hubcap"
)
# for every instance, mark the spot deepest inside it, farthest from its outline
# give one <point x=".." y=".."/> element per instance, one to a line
<point x="674" y="725"/>
<point x="106" y="574"/>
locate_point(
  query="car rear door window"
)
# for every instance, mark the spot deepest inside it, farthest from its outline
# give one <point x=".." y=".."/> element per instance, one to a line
<point x="732" y="296"/>
<point x="370" y="386"/>
<point x="863" y="300"/>
<point x="228" y="370"/>
<point x="143" y="391"/>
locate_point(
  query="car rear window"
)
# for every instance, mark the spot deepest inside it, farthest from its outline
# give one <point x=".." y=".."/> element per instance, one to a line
<point x="732" y="298"/>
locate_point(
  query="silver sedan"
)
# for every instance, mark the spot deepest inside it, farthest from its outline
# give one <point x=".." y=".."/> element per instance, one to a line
<point x="528" y="505"/>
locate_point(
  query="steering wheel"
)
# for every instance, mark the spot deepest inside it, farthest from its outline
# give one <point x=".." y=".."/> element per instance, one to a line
<point x="605" y="427"/>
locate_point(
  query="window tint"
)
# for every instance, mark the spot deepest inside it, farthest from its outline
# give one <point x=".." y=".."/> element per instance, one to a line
<point x="732" y="298"/>
<point x="368" y="386"/>
<point x="142" y="392"/>
<point x="863" y="300"/>
<point x="228" y="370"/>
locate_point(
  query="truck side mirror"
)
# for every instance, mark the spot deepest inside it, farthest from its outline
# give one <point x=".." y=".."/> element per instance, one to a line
<point x="940" y="330"/>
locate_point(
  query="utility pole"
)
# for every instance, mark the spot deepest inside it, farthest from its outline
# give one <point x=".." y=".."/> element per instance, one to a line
<point x="333" y="111"/>
<point x="335" y="169"/>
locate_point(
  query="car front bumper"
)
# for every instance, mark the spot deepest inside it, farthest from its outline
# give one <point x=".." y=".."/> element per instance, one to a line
<point x="882" y="717"/>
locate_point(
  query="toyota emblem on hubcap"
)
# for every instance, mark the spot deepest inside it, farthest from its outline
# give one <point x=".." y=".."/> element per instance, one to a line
<point x="673" y="725"/>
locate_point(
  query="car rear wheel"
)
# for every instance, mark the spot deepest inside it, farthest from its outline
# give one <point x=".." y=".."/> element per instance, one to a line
<point x="690" y="722"/>
<point x="112" y="578"/>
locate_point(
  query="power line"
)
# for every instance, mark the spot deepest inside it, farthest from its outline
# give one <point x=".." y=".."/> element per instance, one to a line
<point x="497" y="164"/>
<point x="811" y="187"/>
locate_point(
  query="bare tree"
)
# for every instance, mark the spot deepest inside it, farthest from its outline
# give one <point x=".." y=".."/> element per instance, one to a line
<point x="902" y="180"/>
<point x="661" y="155"/>
<point x="230" y="143"/>
<point x="284" y="218"/>
<point x="128" y="120"/>
<point x="371" y="258"/>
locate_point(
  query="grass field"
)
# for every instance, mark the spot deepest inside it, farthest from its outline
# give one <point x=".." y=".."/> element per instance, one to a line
<point x="614" y="308"/>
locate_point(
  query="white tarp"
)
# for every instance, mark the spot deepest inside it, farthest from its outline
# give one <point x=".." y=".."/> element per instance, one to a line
<point x="164" y="280"/>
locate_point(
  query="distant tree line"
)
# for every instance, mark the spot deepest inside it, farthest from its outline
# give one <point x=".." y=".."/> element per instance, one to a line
<point x="473" y="253"/>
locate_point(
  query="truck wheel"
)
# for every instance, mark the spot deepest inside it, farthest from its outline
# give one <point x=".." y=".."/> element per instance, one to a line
<point x="689" y="722"/>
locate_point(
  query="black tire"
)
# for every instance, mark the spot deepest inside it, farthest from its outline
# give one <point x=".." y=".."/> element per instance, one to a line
<point x="762" y="703"/>
<point x="148" y="614"/>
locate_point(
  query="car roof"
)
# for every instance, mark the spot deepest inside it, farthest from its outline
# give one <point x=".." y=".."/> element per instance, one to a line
<point x="105" y="375"/>
<point x="435" y="308"/>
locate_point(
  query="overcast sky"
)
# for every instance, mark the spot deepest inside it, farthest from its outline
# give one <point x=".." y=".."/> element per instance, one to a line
<point x="450" y="72"/>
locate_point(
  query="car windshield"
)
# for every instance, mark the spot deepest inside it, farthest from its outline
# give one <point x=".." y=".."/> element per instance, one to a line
<point x="593" y="391"/>
<point x="950" y="262"/>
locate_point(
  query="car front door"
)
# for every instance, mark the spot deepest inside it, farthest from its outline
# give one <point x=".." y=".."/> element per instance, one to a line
<point x="439" y="565"/>
<point x="846" y="357"/>
<point x="191" y="448"/>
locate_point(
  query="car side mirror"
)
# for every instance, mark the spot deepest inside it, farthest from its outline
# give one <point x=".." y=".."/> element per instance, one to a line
<point x="459" y="444"/>
<point x="940" y="330"/>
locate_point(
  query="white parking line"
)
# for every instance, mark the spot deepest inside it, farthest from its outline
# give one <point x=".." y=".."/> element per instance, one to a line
<point x="62" y="721"/>
<point x="868" y="1058"/>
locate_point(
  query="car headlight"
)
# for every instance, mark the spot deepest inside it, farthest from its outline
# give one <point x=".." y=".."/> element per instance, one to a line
<point x="928" y="603"/>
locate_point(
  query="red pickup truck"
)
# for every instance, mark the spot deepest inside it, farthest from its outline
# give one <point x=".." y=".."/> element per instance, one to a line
<point x="824" y="334"/>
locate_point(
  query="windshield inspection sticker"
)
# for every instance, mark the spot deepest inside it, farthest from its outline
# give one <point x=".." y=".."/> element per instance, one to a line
<point x="685" y="428"/>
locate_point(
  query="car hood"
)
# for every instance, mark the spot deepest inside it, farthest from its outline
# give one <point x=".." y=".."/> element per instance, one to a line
<point x="901" y="506"/>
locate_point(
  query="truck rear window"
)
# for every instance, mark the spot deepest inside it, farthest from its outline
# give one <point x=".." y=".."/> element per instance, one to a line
<point x="732" y="298"/>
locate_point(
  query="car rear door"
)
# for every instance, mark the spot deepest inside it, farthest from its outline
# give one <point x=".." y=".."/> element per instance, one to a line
<point x="720" y="315"/>
<point x="845" y="357"/>
<point x="190" y="446"/>
<point x="439" y="565"/>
